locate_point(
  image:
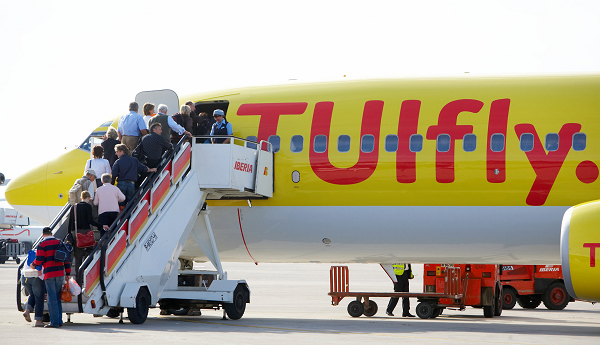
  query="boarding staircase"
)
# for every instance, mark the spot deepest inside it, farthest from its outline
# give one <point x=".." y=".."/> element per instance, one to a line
<point x="136" y="265"/>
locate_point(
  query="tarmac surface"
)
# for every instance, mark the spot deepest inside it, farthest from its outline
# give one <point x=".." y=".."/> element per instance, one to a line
<point x="290" y="305"/>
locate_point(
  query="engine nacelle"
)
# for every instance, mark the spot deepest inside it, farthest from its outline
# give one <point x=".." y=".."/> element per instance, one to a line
<point x="579" y="244"/>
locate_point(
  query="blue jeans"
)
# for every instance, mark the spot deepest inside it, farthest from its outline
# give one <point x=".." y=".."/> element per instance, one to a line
<point x="36" y="289"/>
<point x="53" y="287"/>
<point x="127" y="188"/>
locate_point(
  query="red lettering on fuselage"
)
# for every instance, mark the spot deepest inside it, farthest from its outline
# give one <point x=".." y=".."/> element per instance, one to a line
<point x="592" y="247"/>
<point x="367" y="161"/>
<point x="269" y="115"/>
<point x="406" y="171"/>
<point x="546" y="165"/>
<point x="444" y="161"/>
<point x="497" y="124"/>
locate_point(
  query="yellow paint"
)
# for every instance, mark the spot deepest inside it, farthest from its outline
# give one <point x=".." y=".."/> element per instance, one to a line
<point x="584" y="229"/>
<point x="545" y="102"/>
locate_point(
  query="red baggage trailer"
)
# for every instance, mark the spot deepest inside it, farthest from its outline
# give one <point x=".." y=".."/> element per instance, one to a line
<point x="445" y="286"/>
<point x="529" y="285"/>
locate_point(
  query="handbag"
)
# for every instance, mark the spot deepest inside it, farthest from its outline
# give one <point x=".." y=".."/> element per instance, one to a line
<point x="83" y="240"/>
<point x="65" y="294"/>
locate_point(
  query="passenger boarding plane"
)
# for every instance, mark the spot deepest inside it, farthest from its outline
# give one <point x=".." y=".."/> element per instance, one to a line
<point x="464" y="170"/>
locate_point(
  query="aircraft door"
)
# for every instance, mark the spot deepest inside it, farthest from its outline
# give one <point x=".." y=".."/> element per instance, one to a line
<point x="156" y="97"/>
<point x="94" y="141"/>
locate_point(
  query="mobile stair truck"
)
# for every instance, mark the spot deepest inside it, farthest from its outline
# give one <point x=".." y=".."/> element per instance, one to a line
<point x="138" y="263"/>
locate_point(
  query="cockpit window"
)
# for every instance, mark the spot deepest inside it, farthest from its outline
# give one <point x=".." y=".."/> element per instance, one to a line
<point x="87" y="144"/>
<point x="93" y="139"/>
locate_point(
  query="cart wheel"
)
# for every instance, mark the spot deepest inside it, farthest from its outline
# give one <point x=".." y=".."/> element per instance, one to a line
<point x="424" y="310"/>
<point x="529" y="301"/>
<point x="497" y="305"/>
<point x="436" y="312"/>
<point x="356" y="308"/>
<point x="556" y="296"/>
<point x="489" y="310"/>
<point x="372" y="310"/>
<point x="509" y="298"/>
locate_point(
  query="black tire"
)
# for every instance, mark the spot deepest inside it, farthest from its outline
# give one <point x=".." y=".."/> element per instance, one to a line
<point x="17" y="260"/>
<point x="356" y="308"/>
<point x="139" y="314"/>
<point x="236" y="310"/>
<point x="498" y="303"/>
<point x="372" y="310"/>
<point x="529" y="301"/>
<point x="3" y="259"/>
<point x="114" y="313"/>
<point x="424" y="310"/>
<point x="556" y="296"/>
<point x="436" y="312"/>
<point x="179" y="312"/>
<point x="490" y="310"/>
<point x="46" y="317"/>
<point x="509" y="298"/>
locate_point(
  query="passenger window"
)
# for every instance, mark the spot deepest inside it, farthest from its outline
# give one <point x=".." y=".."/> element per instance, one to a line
<point x="391" y="143"/>
<point x="251" y="145"/>
<point x="106" y="124"/>
<point x="526" y="142"/>
<point x="297" y="143"/>
<point x="552" y="141"/>
<point x="367" y="143"/>
<point x="469" y="142"/>
<point x="497" y="142"/>
<point x="579" y="141"/>
<point x="320" y="143"/>
<point x="275" y="141"/>
<point x="343" y="143"/>
<point x="416" y="143"/>
<point x="443" y="143"/>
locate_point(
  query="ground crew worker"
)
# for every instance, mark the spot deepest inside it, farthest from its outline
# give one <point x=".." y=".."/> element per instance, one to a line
<point x="403" y="274"/>
<point x="221" y="127"/>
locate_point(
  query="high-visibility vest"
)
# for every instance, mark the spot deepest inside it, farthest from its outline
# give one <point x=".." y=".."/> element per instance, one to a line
<point x="399" y="269"/>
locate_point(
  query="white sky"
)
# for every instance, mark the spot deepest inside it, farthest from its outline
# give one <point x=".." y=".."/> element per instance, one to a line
<point x="68" y="66"/>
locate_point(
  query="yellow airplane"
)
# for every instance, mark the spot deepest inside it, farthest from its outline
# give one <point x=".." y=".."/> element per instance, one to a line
<point x="464" y="170"/>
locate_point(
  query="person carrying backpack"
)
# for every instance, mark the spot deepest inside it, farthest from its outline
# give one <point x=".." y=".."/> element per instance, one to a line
<point x="55" y="274"/>
<point x="30" y="279"/>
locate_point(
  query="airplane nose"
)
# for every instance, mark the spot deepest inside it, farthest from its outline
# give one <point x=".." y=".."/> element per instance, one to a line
<point x="27" y="193"/>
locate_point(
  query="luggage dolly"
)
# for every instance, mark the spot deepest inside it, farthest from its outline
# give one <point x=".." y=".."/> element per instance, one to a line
<point x="429" y="303"/>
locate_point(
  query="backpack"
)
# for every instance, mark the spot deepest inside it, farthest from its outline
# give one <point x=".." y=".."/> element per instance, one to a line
<point x="75" y="193"/>
<point x="63" y="252"/>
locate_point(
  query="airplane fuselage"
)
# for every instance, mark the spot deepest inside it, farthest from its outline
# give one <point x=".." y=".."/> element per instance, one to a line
<point x="453" y="170"/>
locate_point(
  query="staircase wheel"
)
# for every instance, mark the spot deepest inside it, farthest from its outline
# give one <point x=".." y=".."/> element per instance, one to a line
<point x="235" y="310"/>
<point x="139" y="313"/>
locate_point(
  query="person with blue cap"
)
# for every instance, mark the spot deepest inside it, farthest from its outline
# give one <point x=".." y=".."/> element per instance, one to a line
<point x="221" y="127"/>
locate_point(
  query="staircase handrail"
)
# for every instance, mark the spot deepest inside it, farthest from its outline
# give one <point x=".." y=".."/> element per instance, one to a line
<point x="124" y="215"/>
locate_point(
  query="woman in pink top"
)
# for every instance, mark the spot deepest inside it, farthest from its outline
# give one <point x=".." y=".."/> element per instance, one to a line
<point x="107" y="199"/>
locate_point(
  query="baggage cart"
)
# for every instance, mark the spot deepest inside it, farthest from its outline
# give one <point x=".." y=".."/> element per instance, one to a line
<point x="445" y="286"/>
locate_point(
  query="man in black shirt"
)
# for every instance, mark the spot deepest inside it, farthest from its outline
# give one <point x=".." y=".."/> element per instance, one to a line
<point x="154" y="145"/>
